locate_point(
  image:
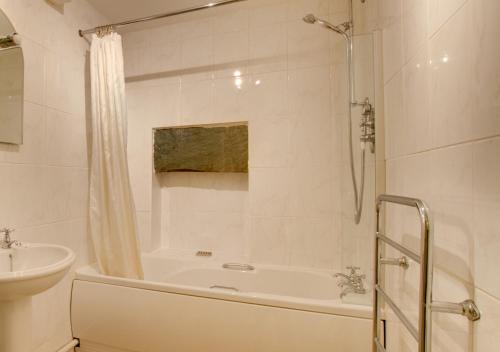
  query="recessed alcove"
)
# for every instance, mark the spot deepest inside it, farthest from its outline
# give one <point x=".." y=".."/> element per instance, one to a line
<point x="202" y="148"/>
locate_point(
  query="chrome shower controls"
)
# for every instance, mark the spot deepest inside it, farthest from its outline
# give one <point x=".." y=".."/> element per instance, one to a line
<point x="367" y="124"/>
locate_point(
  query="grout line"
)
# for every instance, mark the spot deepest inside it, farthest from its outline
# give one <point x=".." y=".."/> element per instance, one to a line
<point x="65" y="221"/>
<point x="449" y="19"/>
<point x="448" y="146"/>
<point x="44" y="165"/>
<point x="486" y="293"/>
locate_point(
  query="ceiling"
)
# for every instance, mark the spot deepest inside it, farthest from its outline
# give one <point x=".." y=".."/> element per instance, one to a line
<point x="120" y="10"/>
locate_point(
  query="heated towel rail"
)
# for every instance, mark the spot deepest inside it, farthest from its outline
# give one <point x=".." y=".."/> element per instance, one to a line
<point x="421" y="332"/>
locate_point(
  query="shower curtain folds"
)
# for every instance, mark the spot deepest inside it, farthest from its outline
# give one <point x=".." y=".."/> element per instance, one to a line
<point x="112" y="219"/>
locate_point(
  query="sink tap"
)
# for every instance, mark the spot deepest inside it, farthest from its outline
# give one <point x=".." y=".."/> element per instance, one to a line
<point x="6" y="242"/>
<point x="352" y="283"/>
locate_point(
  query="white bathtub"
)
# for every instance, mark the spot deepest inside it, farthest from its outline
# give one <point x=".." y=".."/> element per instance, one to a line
<point x="197" y="305"/>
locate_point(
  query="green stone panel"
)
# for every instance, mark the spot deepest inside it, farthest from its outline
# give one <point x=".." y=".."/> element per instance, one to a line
<point x="201" y="149"/>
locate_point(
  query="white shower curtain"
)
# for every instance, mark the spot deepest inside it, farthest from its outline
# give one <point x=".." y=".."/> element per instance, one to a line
<point x="113" y="225"/>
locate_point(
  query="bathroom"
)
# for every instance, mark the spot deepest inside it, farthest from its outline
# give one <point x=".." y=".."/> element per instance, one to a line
<point x="249" y="175"/>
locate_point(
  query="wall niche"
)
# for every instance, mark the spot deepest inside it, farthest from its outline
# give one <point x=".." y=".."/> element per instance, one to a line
<point x="202" y="148"/>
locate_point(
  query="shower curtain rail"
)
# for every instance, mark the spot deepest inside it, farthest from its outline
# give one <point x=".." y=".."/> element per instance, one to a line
<point x="160" y="16"/>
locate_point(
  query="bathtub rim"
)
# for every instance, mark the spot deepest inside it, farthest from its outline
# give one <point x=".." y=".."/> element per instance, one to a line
<point x="333" y="307"/>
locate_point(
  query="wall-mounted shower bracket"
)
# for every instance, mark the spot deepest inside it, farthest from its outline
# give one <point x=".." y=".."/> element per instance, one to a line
<point x="346" y="25"/>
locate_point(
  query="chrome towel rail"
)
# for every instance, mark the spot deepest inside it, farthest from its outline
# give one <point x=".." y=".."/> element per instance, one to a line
<point x="422" y="331"/>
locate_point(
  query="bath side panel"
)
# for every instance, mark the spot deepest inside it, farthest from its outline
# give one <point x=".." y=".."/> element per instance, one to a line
<point x="117" y="318"/>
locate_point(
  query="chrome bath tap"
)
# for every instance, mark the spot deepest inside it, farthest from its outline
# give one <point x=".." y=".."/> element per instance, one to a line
<point x="352" y="283"/>
<point x="6" y="242"/>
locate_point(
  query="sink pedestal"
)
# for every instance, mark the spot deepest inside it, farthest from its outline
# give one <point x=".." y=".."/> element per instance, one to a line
<point x="25" y="271"/>
<point x="15" y="325"/>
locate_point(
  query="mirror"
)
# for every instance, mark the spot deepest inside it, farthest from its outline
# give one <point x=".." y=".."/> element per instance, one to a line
<point x="11" y="84"/>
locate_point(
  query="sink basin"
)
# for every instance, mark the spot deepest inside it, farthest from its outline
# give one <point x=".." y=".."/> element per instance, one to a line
<point x="25" y="271"/>
<point x="32" y="268"/>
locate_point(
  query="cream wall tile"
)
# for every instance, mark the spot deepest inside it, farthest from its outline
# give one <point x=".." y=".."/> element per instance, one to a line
<point x="414" y="26"/>
<point x="66" y="130"/>
<point x="267" y="96"/>
<point x="231" y="98"/>
<point x="339" y="6"/>
<point x="340" y="97"/>
<point x="439" y="11"/>
<point x="56" y="182"/>
<point x="269" y="142"/>
<point x="34" y="147"/>
<point x="308" y="45"/>
<point x="309" y="93"/>
<point x="65" y="83"/>
<point x="453" y="101"/>
<point x="393" y="48"/>
<point x="194" y="28"/>
<point x="269" y="191"/>
<point x="78" y="208"/>
<point x="416" y="98"/>
<point x="269" y="239"/>
<point x="20" y="186"/>
<point x="313" y="242"/>
<point x="266" y="12"/>
<point x="486" y="334"/>
<point x="268" y="48"/>
<point x="197" y="102"/>
<point x="313" y="197"/>
<point x="486" y="205"/>
<point x="450" y="199"/>
<point x="234" y="19"/>
<point x="395" y="144"/>
<point x="390" y="11"/>
<point x="165" y="57"/>
<point x="311" y="142"/>
<point x="231" y="47"/>
<point x="197" y="52"/>
<point x="485" y="59"/>
<point x="206" y="231"/>
<point x="34" y="76"/>
<point x="207" y="192"/>
<point x="144" y="230"/>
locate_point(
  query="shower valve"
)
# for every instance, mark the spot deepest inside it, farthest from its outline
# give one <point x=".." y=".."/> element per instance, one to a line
<point x="367" y="124"/>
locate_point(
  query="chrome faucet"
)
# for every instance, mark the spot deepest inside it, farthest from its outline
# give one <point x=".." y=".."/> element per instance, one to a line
<point x="6" y="242"/>
<point x="352" y="283"/>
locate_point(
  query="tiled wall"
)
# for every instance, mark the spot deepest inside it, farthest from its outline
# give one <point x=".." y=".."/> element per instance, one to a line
<point x="43" y="183"/>
<point x="287" y="209"/>
<point x="441" y="74"/>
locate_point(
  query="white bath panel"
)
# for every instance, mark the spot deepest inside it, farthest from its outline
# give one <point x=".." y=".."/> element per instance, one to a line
<point x="112" y="318"/>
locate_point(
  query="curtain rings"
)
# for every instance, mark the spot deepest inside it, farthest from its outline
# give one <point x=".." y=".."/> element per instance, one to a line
<point x="104" y="30"/>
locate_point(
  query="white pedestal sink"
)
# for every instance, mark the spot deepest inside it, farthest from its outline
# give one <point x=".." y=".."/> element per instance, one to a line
<point x="26" y="271"/>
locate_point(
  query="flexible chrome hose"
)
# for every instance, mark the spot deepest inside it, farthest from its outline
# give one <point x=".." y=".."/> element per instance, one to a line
<point x="358" y="195"/>
<point x="347" y="33"/>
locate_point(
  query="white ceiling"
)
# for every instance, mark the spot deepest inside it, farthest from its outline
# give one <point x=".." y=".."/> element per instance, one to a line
<point x="120" y="10"/>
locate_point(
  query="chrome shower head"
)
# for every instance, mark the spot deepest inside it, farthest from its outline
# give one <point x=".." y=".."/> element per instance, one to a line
<point x="311" y="19"/>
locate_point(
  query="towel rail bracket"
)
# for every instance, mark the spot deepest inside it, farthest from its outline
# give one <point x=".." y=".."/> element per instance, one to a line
<point x="467" y="308"/>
